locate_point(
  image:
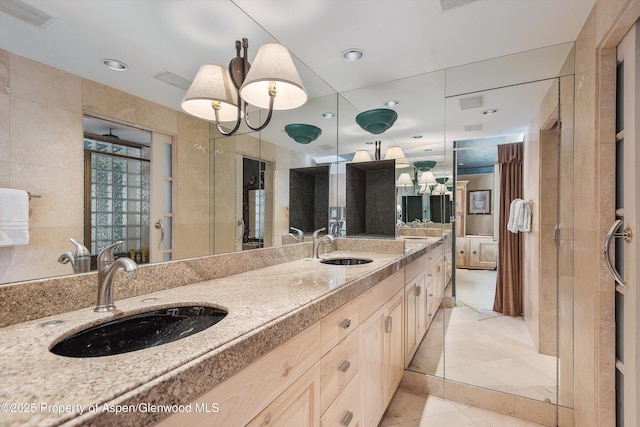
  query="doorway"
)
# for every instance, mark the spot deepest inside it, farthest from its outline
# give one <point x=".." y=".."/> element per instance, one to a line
<point x="619" y="239"/>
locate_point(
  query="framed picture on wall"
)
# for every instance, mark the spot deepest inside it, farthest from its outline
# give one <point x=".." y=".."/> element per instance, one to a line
<point x="479" y="202"/>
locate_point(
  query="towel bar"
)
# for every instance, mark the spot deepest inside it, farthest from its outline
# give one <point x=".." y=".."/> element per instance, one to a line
<point x="33" y="196"/>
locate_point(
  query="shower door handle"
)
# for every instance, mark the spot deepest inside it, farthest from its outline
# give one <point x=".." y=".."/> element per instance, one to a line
<point x="160" y="225"/>
<point x="627" y="236"/>
<point x="240" y="224"/>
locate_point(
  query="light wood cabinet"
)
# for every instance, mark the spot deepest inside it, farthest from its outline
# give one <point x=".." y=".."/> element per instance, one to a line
<point x="424" y="292"/>
<point x="345" y="410"/>
<point x="381" y="358"/>
<point x="394" y="366"/>
<point x="337" y="368"/>
<point x="241" y="397"/>
<point x="333" y="373"/>
<point x="371" y="367"/>
<point x="476" y="252"/>
<point x="297" y="406"/>
<point x="415" y="314"/>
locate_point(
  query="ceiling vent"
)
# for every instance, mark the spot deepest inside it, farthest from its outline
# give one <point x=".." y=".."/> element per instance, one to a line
<point x="471" y="128"/>
<point x="450" y="4"/>
<point x="173" y="79"/>
<point x="473" y="102"/>
<point x="26" y="13"/>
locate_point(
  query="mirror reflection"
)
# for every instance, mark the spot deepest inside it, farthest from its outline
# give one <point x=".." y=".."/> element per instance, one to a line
<point x="251" y="190"/>
<point x="483" y="346"/>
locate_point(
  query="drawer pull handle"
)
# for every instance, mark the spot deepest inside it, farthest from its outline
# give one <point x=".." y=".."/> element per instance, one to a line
<point x="474" y="252"/>
<point x="430" y="295"/>
<point x="344" y="366"/>
<point x="418" y="291"/>
<point x="345" y="324"/>
<point x="388" y="324"/>
<point x="346" y="420"/>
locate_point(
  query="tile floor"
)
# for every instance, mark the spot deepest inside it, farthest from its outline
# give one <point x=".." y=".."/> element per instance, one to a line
<point x="484" y="348"/>
<point x="411" y="409"/>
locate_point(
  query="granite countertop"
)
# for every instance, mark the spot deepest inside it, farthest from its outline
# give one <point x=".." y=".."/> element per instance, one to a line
<point x="266" y="307"/>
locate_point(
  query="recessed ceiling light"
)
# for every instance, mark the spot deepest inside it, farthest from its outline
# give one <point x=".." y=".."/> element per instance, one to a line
<point x="328" y="115"/>
<point x="489" y="111"/>
<point x="391" y="104"/>
<point x="114" y="64"/>
<point x="353" y="54"/>
<point x="416" y="136"/>
<point x="461" y="164"/>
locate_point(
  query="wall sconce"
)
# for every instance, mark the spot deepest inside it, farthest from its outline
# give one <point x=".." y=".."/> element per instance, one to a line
<point x="361" y="156"/>
<point x="221" y="95"/>
<point x="439" y="189"/>
<point x="404" y="180"/>
<point x="427" y="178"/>
<point x="396" y="153"/>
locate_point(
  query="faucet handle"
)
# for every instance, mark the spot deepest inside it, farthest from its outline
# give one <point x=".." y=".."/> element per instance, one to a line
<point x="300" y="234"/>
<point x="106" y="255"/>
<point x="317" y="232"/>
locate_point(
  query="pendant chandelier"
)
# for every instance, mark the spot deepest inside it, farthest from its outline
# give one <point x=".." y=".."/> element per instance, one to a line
<point x="222" y="95"/>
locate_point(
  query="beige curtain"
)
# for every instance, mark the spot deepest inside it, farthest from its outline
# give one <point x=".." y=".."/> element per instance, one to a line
<point x="508" y="299"/>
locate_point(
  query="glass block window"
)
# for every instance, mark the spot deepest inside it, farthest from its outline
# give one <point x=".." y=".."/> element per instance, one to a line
<point x="119" y="199"/>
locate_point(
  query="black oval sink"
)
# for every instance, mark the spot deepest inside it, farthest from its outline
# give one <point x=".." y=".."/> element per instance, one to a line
<point x="346" y="261"/>
<point x="139" y="331"/>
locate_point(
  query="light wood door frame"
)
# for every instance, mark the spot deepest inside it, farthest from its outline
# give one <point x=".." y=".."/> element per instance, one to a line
<point x="628" y="346"/>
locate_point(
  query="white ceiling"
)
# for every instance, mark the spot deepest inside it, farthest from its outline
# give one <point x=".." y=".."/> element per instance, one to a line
<point x="407" y="44"/>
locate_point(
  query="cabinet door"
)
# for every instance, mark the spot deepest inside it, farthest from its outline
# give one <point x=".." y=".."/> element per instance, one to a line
<point x="394" y="334"/>
<point x="411" y="320"/>
<point x="298" y="406"/>
<point x="483" y="253"/>
<point x="462" y="252"/>
<point x="371" y="367"/>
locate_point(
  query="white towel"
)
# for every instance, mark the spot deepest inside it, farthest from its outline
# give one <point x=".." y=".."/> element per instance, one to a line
<point x="519" y="216"/>
<point x="14" y="217"/>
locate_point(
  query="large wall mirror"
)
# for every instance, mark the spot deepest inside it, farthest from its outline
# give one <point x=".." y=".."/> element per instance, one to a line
<point x="235" y="193"/>
<point x="489" y="104"/>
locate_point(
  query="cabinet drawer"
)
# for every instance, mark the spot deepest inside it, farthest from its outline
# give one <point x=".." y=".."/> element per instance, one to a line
<point x="243" y="395"/>
<point x="297" y="406"/>
<point x="337" y="368"/>
<point x="416" y="267"/>
<point x="345" y="410"/>
<point x="379" y="294"/>
<point x="338" y="324"/>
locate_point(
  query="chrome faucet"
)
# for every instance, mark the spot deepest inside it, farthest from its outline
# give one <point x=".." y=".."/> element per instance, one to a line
<point x="107" y="266"/>
<point x="300" y="234"/>
<point x="80" y="261"/>
<point x="316" y="241"/>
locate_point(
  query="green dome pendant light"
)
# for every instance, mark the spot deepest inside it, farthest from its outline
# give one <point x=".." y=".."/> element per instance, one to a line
<point x="376" y="121"/>
<point x="303" y="133"/>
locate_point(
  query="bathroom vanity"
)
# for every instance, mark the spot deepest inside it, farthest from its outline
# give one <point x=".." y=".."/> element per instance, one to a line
<point x="303" y="340"/>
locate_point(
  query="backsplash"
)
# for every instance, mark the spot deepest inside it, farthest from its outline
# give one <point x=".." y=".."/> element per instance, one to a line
<point x="23" y="301"/>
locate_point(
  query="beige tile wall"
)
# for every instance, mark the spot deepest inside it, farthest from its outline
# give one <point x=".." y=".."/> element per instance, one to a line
<point x="594" y="338"/>
<point x="41" y="151"/>
<point x="540" y="188"/>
